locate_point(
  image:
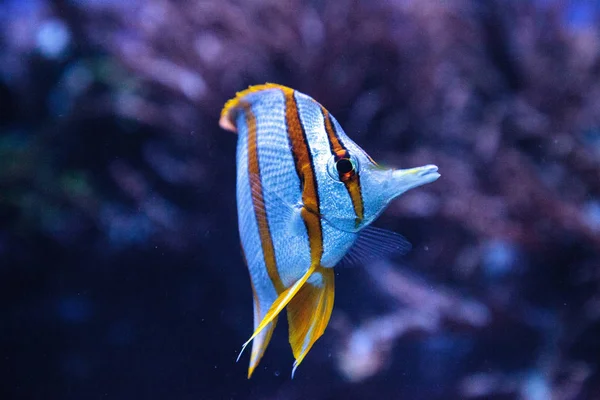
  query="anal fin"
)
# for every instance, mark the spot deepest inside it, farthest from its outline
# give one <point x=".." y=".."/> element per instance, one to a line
<point x="309" y="312"/>
<point x="374" y="244"/>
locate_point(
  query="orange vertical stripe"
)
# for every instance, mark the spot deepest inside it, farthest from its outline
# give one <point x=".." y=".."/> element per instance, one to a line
<point x="305" y="169"/>
<point x="258" y="202"/>
<point x="352" y="184"/>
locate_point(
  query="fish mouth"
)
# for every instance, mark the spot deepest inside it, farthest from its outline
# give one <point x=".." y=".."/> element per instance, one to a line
<point x="428" y="172"/>
<point x="406" y="179"/>
<point x="423" y="175"/>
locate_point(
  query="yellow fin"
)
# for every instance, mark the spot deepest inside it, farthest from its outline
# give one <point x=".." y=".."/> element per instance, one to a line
<point x="260" y="343"/>
<point x="279" y="304"/>
<point x="227" y="113"/>
<point x="308" y="313"/>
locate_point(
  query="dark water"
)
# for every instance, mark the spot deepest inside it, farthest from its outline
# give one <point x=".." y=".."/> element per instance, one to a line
<point x="121" y="274"/>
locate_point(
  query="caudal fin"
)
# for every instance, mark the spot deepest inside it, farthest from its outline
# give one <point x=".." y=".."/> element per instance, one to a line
<point x="309" y="311"/>
<point x="261" y="341"/>
<point x="262" y="332"/>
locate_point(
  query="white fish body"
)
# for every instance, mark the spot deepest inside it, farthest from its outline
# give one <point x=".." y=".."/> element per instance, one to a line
<point x="305" y="194"/>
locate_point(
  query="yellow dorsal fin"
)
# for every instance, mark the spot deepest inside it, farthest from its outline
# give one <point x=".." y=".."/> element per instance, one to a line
<point x="227" y="120"/>
<point x="308" y="313"/>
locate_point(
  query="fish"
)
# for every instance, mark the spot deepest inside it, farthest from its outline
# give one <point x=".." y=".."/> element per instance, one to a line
<point x="306" y="197"/>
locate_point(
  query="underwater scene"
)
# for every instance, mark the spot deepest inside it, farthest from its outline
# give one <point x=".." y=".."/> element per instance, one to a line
<point x="286" y="199"/>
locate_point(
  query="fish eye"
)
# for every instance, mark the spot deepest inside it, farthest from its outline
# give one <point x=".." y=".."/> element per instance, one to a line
<point x="342" y="167"/>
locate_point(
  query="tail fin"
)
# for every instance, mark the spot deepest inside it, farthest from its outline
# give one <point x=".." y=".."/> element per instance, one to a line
<point x="261" y="335"/>
<point x="309" y="311"/>
<point x="261" y="341"/>
<point x="309" y="306"/>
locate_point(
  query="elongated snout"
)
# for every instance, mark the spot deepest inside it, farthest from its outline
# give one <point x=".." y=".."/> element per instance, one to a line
<point x="406" y="179"/>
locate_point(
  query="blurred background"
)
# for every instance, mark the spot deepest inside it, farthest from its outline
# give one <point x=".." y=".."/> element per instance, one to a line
<point x="120" y="268"/>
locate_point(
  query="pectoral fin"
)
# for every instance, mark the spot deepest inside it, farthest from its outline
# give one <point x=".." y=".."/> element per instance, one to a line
<point x="288" y="216"/>
<point x="309" y="311"/>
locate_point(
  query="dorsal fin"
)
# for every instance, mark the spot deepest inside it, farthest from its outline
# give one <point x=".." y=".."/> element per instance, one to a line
<point x="229" y="111"/>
